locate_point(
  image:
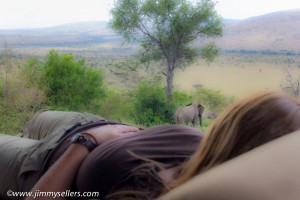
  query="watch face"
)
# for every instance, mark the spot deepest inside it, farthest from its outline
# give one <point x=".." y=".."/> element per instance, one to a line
<point x="81" y="138"/>
<point x="78" y="138"/>
<point x="75" y="137"/>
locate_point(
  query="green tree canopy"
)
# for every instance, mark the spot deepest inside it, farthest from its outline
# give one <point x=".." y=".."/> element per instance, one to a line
<point x="166" y="29"/>
<point x="150" y="104"/>
<point x="69" y="84"/>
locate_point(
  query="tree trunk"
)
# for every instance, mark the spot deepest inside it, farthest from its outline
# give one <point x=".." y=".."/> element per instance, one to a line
<point x="170" y="77"/>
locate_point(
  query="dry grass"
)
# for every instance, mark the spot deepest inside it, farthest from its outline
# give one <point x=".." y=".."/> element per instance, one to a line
<point x="236" y="75"/>
<point x="233" y="74"/>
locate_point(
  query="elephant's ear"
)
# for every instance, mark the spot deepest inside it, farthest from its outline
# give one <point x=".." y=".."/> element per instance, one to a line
<point x="200" y="108"/>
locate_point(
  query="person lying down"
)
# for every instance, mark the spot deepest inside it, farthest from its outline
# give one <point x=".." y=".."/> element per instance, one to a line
<point x="115" y="159"/>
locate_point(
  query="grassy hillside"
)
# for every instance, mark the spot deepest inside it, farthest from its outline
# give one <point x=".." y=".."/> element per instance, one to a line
<point x="278" y="31"/>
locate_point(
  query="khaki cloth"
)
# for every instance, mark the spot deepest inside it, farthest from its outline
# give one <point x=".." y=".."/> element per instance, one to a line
<point x="21" y="158"/>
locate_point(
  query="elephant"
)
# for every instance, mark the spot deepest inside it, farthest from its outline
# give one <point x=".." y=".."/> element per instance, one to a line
<point x="189" y="113"/>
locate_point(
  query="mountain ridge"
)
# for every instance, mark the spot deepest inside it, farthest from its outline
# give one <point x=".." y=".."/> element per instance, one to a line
<point x="278" y="31"/>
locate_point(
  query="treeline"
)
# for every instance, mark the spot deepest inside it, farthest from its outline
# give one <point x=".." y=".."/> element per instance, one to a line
<point x="263" y="52"/>
<point x="60" y="82"/>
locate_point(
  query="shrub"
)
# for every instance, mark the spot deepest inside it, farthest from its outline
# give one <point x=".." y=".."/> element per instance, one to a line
<point x="213" y="100"/>
<point x="115" y="106"/>
<point x="181" y="98"/>
<point x="33" y="73"/>
<point x="69" y="84"/>
<point x="150" y="104"/>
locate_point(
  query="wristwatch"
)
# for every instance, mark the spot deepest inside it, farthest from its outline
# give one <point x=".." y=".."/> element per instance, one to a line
<point x="81" y="139"/>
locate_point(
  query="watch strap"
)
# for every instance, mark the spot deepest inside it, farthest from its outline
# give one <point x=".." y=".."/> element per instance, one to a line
<point x="81" y="139"/>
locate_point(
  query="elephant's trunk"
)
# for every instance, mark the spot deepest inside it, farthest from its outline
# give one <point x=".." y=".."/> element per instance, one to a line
<point x="200" y="119"/>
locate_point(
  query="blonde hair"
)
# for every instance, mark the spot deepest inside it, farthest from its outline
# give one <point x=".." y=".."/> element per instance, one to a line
<point x="246" y="124"/>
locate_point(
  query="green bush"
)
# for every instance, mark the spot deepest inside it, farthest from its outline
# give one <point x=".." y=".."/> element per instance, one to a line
<point x="150" y="104"/>
<point x="115" y="106"/>
<point x="34" y="73"/>
<point x="181" y="98"/>
<point x="69" y="84"/>
<point x="59" y="83"/>
<point x="213" y="100"/>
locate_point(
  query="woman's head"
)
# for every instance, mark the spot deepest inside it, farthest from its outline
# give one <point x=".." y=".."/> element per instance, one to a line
<point x="246" y="124"/>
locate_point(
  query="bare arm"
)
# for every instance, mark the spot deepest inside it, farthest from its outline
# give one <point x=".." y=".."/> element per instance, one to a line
<point x="61" y="174"/>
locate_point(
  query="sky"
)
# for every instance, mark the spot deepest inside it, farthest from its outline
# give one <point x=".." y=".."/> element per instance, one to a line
<point x="44" y="13"/>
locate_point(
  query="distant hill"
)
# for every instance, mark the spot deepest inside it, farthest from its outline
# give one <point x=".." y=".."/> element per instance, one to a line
<point x="230" y="21"/>
<point x="275" y="32"/>
<point x="279" y="31"/>
<point x="67" y="35"/>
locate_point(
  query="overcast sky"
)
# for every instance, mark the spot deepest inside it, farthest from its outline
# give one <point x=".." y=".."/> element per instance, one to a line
<point x="43" y="13"/>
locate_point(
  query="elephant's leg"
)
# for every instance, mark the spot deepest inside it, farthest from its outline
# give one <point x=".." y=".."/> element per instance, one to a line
<point x="194" y="122"/>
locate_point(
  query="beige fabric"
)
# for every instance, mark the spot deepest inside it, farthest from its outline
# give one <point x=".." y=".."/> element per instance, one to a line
<point x="269" y="172"/>
<point x="21" y="158"/>
<point x="45" y="123"/>
<point x="13" y="151"/>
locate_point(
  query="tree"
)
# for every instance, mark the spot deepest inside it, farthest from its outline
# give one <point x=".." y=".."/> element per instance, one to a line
<point x="71" y="84"/>
<point x="127" y="70"/>
<point x="166" y="28"/>
<point x="291" y="81"/>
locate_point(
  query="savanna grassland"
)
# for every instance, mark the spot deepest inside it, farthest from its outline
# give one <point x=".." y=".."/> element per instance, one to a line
<point x="256" y="54"/>
<point x="232" y="74"/>
<point x="238" y="74"/>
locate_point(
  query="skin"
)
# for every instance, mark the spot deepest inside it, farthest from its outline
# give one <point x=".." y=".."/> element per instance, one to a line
<point x="168" y="175"/>
<point x="63" y="171"/>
